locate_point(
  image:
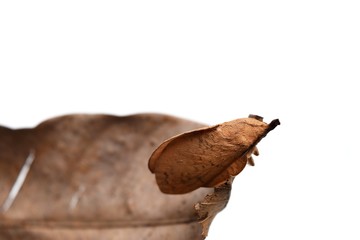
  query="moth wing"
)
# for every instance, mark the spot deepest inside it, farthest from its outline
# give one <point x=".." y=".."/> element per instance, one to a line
<point x="157" y="153"/>
<point x="235" y="168"/>
<point x="191" y="160"/>
<point x="208" y="156"/>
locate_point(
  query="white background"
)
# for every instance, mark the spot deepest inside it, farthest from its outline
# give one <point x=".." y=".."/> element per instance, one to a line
<point x="209" y="61"/>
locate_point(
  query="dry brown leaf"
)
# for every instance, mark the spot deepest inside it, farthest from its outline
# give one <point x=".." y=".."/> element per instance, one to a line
<point x="212" y="205"/>
<point x="207" y="157"/>
<point x="88" y="179"/>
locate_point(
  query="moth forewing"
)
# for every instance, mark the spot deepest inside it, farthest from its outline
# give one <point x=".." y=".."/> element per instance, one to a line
<point x="208" y="156"/>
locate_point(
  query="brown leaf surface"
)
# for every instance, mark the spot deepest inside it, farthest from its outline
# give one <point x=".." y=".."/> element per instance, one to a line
<point x="89" y="180"/>
<point x="207" y="157"/>
<point x="212" y="205"/>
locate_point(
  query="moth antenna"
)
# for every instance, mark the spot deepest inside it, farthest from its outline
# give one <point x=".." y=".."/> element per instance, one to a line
<point x="257" y="117"/>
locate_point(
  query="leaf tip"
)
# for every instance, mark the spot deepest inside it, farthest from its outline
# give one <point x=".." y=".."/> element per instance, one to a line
<point x="273" y="124"/>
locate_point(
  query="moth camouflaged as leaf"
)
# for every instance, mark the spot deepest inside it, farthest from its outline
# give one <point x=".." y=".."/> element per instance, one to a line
<point x="207" y="157"/>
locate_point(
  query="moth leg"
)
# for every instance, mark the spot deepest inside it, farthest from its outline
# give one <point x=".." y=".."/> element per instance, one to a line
<point x="250" y="160"/>
<point x="256" y="151"/>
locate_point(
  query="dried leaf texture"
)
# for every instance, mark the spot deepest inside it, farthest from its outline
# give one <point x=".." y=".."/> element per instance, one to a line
<point x="207" y="157"/>
<point x="89" y="180"/>
<point x="212" y="205"/>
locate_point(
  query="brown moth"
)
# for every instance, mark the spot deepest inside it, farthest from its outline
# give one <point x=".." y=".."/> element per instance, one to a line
<point x="207" y="157"/>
